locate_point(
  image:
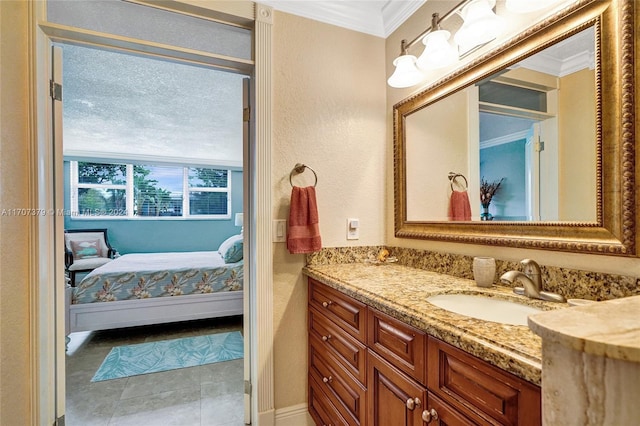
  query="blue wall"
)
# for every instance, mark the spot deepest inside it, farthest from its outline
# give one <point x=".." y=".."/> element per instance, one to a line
<point x="506" y="161"/>
<point x="153" y="236"/>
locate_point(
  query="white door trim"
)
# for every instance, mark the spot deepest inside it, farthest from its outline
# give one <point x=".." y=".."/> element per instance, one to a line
<point x="262" y="326"/>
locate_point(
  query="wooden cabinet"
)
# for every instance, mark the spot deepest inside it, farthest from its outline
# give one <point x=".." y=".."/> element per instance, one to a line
<point x="368" y="368"/>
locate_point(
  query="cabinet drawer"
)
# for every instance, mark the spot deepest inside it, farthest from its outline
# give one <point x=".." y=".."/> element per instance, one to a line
<point x="321" y="409"/>
<point x="346" y="349"/>
<point x="477" y="388"/>
<point x="400" y="344"/>
<point x="344" y="391"/>
<point x="348" y="313"/>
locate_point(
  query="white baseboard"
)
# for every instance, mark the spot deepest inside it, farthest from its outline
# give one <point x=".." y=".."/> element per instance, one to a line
<point x="294" y="415"/>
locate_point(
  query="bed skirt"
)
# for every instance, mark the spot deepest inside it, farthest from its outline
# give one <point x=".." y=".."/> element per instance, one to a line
<point x="159" y="310"/>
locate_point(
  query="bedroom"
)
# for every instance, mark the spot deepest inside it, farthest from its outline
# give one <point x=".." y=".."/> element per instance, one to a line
<point x="147" y="156"/>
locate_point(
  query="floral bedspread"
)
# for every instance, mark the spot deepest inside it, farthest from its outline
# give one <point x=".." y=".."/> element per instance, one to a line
<point x="145" y="275"/>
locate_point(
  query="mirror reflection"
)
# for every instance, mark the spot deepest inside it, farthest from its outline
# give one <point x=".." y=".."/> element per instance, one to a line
<point x="524" y="138"/>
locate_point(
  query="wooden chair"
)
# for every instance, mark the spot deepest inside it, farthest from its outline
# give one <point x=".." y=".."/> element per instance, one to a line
<point x="85" y="250"/>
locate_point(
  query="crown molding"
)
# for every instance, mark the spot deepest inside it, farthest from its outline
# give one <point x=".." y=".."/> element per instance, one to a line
<point x="376" y="17"/>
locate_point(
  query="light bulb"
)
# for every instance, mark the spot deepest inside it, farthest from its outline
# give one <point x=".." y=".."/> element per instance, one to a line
<point x="438" y="52"/>
<point x="406" y="73"/>
<point x="480" y="25"/>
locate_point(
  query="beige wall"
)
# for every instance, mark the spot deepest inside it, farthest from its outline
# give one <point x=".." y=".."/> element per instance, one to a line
<point x="435" y="147"/>
<point x="15" y="287"/>
<point x="410" y="29"/>
<point x="577" y="134"/>
<point x="329" y="113"/>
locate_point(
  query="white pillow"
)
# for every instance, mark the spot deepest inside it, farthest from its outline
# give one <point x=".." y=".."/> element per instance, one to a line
<point x="231" y="249"/>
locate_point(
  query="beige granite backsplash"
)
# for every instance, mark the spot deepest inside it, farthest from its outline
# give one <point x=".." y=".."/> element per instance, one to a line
<point x="571" y="283"/>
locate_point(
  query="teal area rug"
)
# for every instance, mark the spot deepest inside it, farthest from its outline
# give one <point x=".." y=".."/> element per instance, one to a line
<point x="152" y="357"/>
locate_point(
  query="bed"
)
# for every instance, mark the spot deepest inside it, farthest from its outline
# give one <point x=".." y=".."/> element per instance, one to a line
<point x="153" y="288"/>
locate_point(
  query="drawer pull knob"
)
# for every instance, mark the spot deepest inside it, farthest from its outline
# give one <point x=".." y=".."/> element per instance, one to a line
<point x="412" y="403"/>
<point x="327" y="379"/>
<point x="429" y="415"/>
<point x="325" y="338"/>
<point x="326" y="304"/>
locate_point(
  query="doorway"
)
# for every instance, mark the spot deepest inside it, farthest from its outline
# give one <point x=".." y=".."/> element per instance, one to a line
<point x="78" y="151"/>
<point x="512" y="152"/>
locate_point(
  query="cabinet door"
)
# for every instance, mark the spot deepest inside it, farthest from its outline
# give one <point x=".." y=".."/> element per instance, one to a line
<point x="393" y="398"/>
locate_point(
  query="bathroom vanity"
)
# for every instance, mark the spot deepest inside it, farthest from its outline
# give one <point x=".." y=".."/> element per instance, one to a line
<point x="380" y="354"/>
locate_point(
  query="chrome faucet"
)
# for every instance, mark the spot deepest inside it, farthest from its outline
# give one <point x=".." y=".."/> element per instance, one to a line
<point x="531" y="280"/>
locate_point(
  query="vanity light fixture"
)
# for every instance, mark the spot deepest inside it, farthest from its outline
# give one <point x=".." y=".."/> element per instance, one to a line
<point x="481" y="25"/>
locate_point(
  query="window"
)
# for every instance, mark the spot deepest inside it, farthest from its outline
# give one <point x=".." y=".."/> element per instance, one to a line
<point x="109" y="190"/>
<point x="515" y="96"/>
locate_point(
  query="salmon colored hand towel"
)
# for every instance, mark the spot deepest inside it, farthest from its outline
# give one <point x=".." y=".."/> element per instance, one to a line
<point x="303" y="235"/>
<point x="459" y="207"/>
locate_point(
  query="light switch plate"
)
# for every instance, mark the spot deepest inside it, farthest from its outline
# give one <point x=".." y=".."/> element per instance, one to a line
<point x="279" y="230"/>
<point x="353" y="229"/>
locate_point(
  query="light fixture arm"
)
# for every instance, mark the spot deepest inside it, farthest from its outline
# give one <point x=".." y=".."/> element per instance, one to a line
<point x="435" y="22"/>
<point x="404" y="50"/>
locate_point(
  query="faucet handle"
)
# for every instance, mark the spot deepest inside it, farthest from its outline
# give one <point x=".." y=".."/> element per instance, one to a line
<point x="532" y="270"/>
<point x="530" y="266"/>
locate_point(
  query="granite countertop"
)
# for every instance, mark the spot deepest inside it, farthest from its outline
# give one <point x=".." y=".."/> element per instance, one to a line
<point x="401" y="292"/>
<point x="610" y="328"/>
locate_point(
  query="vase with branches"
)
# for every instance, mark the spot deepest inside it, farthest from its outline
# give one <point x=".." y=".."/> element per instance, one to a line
<point x="487" y="191"/>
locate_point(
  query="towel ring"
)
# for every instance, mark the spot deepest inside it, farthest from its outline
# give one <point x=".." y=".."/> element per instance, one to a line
<point x="299" y="168"/>
<point x="453" y="176"/>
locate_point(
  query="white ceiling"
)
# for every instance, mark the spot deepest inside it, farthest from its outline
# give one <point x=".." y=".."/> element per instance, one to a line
<point x="376" y="17"/>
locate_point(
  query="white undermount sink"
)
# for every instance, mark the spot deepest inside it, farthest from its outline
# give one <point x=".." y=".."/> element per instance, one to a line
<point x="484" y="308"/>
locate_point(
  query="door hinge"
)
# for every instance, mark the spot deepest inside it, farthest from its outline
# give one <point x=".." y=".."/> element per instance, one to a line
<point x="55" y="90"/>
<point x="59" y="421"/>
<point x="246" y="114"/>
<point x="539" y="146"/>
<point x="247" y="387"/>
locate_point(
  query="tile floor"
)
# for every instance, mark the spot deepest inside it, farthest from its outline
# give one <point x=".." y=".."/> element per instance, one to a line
<point x="208" y="395"/>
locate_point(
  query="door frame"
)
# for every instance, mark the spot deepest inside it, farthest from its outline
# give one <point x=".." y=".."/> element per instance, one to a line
<point x="47" y="391"/>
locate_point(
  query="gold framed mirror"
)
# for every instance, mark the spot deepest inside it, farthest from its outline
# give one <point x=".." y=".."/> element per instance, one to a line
<point x="606" y="223"/>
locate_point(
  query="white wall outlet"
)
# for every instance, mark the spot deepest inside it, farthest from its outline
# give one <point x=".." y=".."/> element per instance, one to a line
<point x="279" y="231"/>
<point x="353" y="229"/>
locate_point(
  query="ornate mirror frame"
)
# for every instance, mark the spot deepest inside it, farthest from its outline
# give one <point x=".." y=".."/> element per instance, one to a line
<point x="614" y="231"/>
